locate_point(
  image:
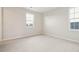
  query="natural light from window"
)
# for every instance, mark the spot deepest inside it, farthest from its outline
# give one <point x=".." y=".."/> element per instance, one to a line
<point x="74" y="19"/>
<point x="29" y="19"/>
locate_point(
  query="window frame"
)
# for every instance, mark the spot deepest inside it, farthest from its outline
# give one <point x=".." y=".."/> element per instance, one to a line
<point x="71" y="20"/>
<point x="30" y="20"/>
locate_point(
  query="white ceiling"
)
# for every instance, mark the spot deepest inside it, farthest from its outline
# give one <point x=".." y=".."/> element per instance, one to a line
<point x="41" y="9"/>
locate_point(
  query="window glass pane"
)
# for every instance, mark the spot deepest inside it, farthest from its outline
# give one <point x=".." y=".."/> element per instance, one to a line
<point x="72" y="25"/>
<point x="71" y="10"/>
<point x="76" y="15"/>
<point x="76" y="25"/>
<point x="29" y="15"/>
<point x="74" y="20"/>
<point x="29" y="19"/>
<point x="71" y="16"/>
<point x="76" y="10"/>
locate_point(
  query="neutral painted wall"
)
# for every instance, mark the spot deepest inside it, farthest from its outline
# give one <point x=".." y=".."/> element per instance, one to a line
<point x="56" y="23"/>
<point x="0" y="25"/>
<point x="15" y="23"/>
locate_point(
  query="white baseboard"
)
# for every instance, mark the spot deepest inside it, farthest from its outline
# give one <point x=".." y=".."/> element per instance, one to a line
<point x="60" y="37"/>
<point x="52" y="35"/>
<point x="21" y="37"/>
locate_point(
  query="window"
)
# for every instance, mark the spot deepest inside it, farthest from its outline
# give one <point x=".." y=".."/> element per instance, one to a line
<point x="29" y="20"/>
<point x="74" y="19"/>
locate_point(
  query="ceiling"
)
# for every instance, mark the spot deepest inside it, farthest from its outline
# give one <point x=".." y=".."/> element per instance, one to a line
<point x="41" y="9"/>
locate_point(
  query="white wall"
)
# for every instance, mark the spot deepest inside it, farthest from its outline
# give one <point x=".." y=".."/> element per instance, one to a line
<point x="56" y="23"/>
<point x="15" y="25"/>
<point x="0" y="25"/>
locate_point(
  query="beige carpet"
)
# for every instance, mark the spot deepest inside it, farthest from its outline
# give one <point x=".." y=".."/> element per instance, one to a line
<point x="41" y="43"/>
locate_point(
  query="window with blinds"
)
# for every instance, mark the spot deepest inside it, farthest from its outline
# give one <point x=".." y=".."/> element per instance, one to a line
<point x="74" y="19"/>
<point x="29" y="19"/>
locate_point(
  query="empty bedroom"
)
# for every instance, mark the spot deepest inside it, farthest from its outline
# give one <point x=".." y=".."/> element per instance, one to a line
<point x="39" y="29"/>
